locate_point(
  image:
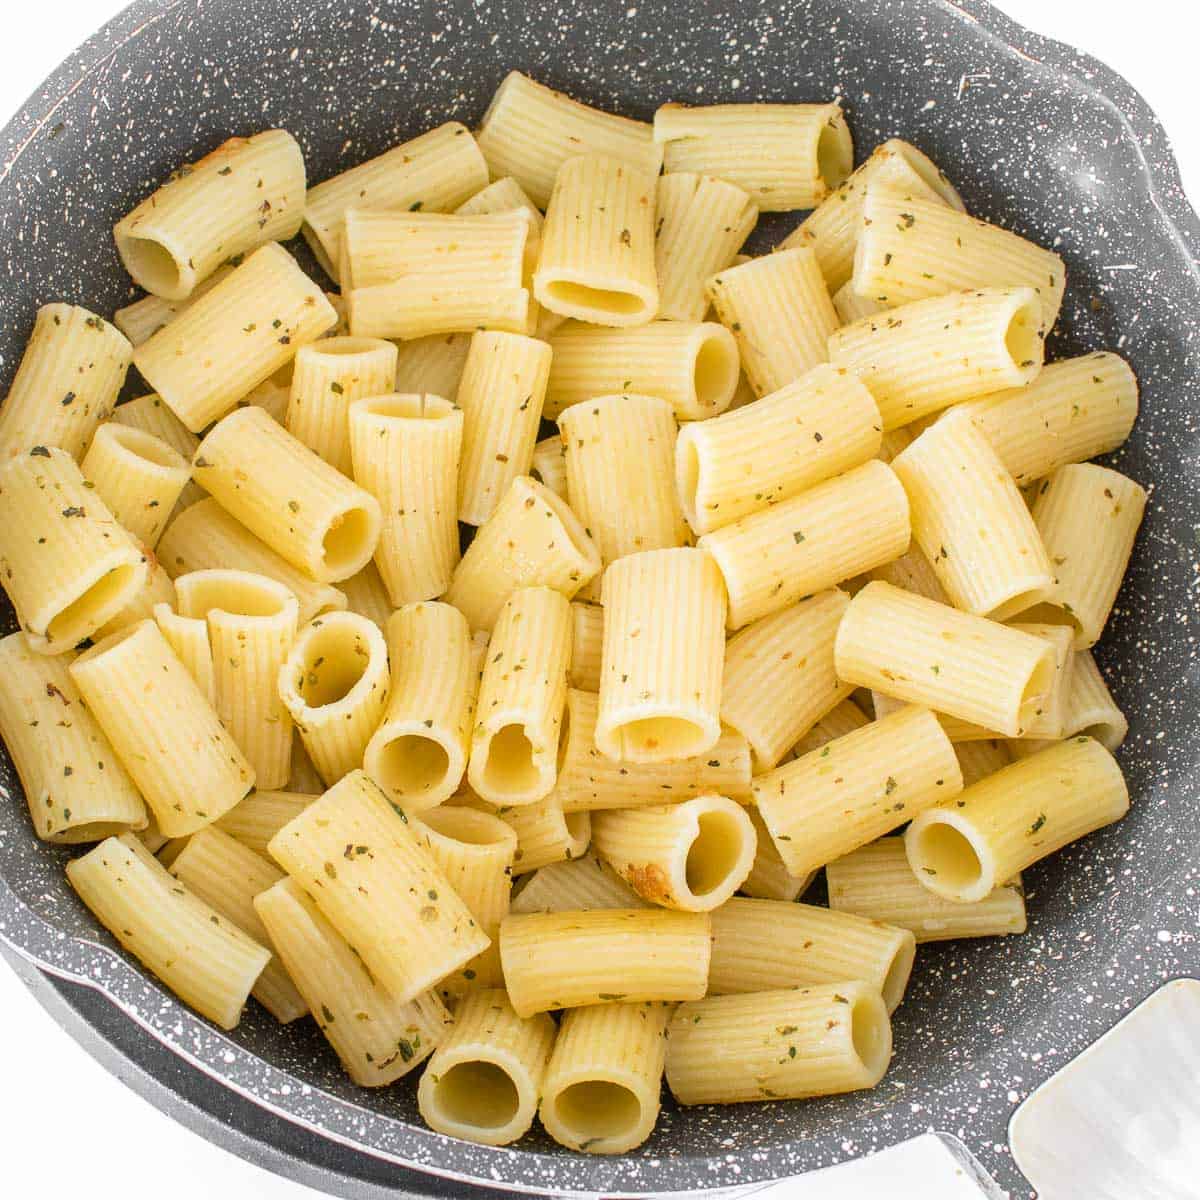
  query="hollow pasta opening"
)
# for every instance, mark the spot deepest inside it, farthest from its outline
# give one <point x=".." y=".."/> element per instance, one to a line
<point x="335" y="659"/>
<point x="947" y="855"/>
<point x="896" y="979"/>
<point x="411" y="765"/>
<point x="346" y="539"/>
<point x="1040" y="683"/>
<point x="604" y="300"/>
<point x="88" y="611"/>
<point x="869" y="1033"/>
<point x="927" y="170"/>
<point x="597" y="1108"/>
<point x="239" y="593"/>
<point x="714" y="853"/>
<point x="468" y="826"/>
<point x="715" y="372"/>
<point x="579" y="830"/>
<point x="662" y="738"/>
<point x="510" y="767"/>
<point x="1017" y="604"/>
<point x="153" y="266"/>
<point x="479" y="1094"/>
<point x="341" y="347"/>
<point x="146" y="446"/>
<point x="687" y="475"/>
<point x="1022" y="339"/>
<point x="835" y="152"/>
<point x="572" y="525"/>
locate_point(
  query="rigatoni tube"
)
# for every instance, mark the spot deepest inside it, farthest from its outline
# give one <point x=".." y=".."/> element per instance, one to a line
<point x="366" y="595"/>
<point x="514" y="745"/>
<point x="548" y="465"/>
<point x="857" y="788"/>
<point x="377" y="1038"/>
<point x="406" y="451"/>
<point x="971" y="522"/>
<point x="204" y="959"/>
<point x="1010" y="820"/>
<point x="545" y="833"/>
<point x="693" y="365"/>
<point x="255" y="820"/>
<point x="69" y="567"/>
<point x="188" y="639"/>
<point x="74" y="784"/>
<point x="243" y="194"/>
<point x="532" y="540"/>
<point x="305" y="510"/>
<point x="597" y="256"/>
<point x="143" y="318"/>
<point x="72" y="369"/>
<point x="690" y="856"/>
<point x="779" y="310"/>
<point x="484" y="1080"/>
<point x="963" y="665"/>
<point x="933" y="353"/>
<point x="328" y="375"/>
<point x="501" y="392"/>
<point x="432" y="365"/>
<point x="587" y="646"/>
<point x="573" y="959"/>
<point x="822" y="537"/>
<point x="366" y="868"/>
<point x="601" y="1089"/>
<point x="234" y="337"/>
<point x="418" y="754"/>
<point x="1090" y="709"/>
<point x="660" y="675"/>
<point x="822" y="424"/>
<point x="251" y="623"/>
<point x="779" y="1045"/>
<point x="335" y="686"/>
<point x="583" y="884"/>
<point x="769" y="878"/>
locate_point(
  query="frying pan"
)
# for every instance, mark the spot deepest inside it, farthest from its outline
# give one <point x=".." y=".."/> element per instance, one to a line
<point x="1038" y="138"/>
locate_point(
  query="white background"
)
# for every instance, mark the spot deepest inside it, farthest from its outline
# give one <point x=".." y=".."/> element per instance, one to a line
<point x="65" y="1124"/>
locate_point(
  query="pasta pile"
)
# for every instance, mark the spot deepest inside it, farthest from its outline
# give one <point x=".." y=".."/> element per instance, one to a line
<point x="814" y="556"/>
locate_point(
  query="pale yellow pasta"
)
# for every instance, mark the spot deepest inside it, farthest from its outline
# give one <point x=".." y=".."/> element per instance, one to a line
<point x="432" y="365"/>
<point x="923" y="652"/>
<point x="844" y="718"/>
<point x="769" y="878"/>
<point x="979" y="759"/>
<point x="663" y="656"/>
<point x="243" y="194"/>
<point x="227" y="876"/>
<point x="851" y="307"/>
<point x="68" y="566"/>
<point x="67" y="383"/>
<point x="151" y="415"/>
<point x="1090" y="710"/>
<point x="507" y="195"/>
<point x="910" y="248"/>
<point x="335" y="686"/>
<point x="252" y="623"/>
<point x="304" y="778"/>
<point x="532" y="540"/>
<point x="692" y="365"/>
<point x="366" y="595"/>
<point x="1010" y="820"/>
<point x="367" y="870"/>
<point x="406" y="451"/>
<point x="145" y="317"/>
<point x="597" y="256"/>
<point x="763" y="945"/>
<point x="702" y="223"/>
<point x="779" y="310"/>
<point x="601" y="1089"/>
<point x="328" y="375"/>
<point x="418" y="753"/>
<point x="162" y="728"/>
<point x="308" y="512"/>
<point x="690" y="856"/>
<point x="431" y="173"/>
<point x="820" y="425"/>
<point x="74" y="784"/>
<point x="530" y="130"/>
<point x="876" y="882"/>
<point x="780" y="678"/>
<point x="832" y="228"/>
<point x="271" y="396"/>
<point x="501" y="393"/>
<point x="204" y="959"/>
<point x="786" y="156"/>
<point x="587" y="646"/>
<point x="1088" y="517"/>
<point x="822" y="537"/>
<point x="589" y="779"/>
<point x="377" y="1038"/>
<point x="928" y="355"/>
<point x="970" y="521"/>
<point x="574" y="959"/>
<point x="138" y="476"/>
<point x="579" y="885"/>
<point x="957" y="730"/>
<point x="913" y="572"/>
<point x="395" y="310"/>
<point x="205" y="536"/>
<point x="483" y="1081"/>
<point x="548" y="465"/>
<point x="514" y="745"/>
<point x="1050" y="717"/>
<point x="188" y="639"/>
<point x="779" y="1045"/>
<point x="234" y="337"/>
<point x="545" y="833"/>
<point x="619" y="452"/>
<point x="255" y="820"/>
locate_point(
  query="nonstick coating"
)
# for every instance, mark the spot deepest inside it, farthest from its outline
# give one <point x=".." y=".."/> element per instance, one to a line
<point x="1038" y="138"/>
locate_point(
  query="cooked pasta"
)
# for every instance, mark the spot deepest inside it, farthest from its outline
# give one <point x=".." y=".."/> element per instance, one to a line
<point x="579" y="885"/>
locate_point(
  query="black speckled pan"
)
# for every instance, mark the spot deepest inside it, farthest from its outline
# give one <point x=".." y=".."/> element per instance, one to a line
<point x="1038" y="138"/>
